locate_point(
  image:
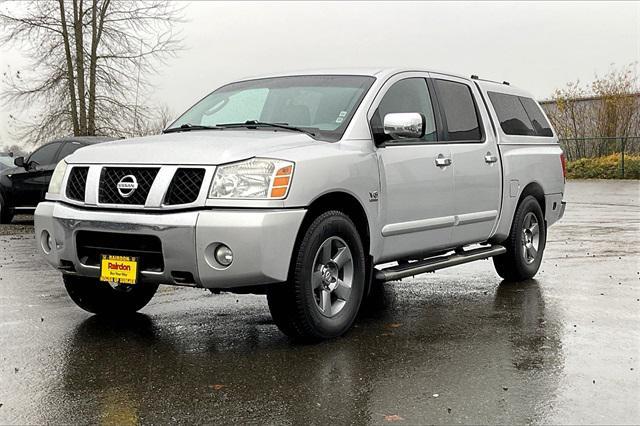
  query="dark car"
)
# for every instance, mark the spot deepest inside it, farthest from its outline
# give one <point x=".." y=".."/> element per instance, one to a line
<point x="23" y="186"/>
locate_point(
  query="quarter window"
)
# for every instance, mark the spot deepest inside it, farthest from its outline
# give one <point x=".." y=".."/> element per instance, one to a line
<point x="519" y="116"/>
<point x="513" y="118"/>
<point x="539" y="122"/>
<point x="459" y="110"/>
<point x="408" y="95"/>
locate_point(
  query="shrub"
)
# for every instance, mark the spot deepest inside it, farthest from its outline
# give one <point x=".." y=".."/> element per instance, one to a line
<point x="607" y="167"/>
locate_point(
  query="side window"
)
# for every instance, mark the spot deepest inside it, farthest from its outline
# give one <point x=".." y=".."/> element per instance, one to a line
<point x="68" y="149"/>
<point x="519" y="115"/>
<point x="539" y="122"/>
<point x="513" y="118"/>
<point x="409" y="95"/>
<point x="45" y="155"/>
<point x="460" y="111"/>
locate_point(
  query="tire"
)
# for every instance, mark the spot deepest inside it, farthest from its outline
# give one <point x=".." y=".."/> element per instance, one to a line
<point x="6" y="213"/>
<point x="100" y="298"/>
<point x="525" y="244"/>
<point x="316" y="302"/>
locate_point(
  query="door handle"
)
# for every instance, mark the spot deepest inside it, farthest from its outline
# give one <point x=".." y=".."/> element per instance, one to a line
<point x="442" y="161"/>
<point x="490" y="158"/>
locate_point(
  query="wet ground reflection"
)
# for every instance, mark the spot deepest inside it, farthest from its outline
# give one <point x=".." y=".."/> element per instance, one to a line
<point x="407" y="348"/>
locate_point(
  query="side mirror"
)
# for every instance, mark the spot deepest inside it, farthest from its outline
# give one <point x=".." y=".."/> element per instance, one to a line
<point x="404" y="125"/>
<point x="19" y="161"/>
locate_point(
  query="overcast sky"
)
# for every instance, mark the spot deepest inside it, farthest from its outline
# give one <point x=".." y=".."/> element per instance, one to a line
<point x="537" y="46"/>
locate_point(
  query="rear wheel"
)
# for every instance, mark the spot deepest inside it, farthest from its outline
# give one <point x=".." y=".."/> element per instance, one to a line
<point x="326" y="281"/>
<point x="98" y="297"/>
<point x="525" y="245"/>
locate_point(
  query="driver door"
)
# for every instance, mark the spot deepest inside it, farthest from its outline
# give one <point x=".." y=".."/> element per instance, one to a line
<point x="30" y="184"/>
<point x="417" y="208"/>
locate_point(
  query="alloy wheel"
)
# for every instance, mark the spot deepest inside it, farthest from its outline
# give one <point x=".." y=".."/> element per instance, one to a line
<point x="332" y="276"/>
<point x="530" y="238"/>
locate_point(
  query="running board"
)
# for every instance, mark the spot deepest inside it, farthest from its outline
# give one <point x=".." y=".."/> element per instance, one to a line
<point x="435" y="263"/>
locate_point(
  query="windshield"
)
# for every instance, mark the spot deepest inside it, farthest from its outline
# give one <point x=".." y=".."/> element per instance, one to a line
<point x="320" y="104"/>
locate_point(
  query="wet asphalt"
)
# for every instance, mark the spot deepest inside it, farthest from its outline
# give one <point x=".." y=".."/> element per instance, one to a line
<point x="457" y="346"/>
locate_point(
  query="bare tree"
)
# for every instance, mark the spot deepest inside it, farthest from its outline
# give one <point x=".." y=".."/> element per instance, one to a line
<point x="618" y="112"/>
<point x="570" y="116"/>
<point x="91" y="60"/>
<point x="155" y="122"/>
<point x="12" y="150"/>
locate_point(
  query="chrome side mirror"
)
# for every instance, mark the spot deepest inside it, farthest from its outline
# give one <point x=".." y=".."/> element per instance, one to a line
<point x="404" y="125"/>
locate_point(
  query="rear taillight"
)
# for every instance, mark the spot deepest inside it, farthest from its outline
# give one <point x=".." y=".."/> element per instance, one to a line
<point x="564" y="165"/>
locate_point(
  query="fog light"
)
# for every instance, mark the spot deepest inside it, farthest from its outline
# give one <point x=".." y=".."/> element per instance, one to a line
<point x="46" y="242"/>
<point x="224" y="255"/>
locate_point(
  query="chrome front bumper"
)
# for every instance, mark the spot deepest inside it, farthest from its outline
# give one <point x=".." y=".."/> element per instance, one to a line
<point x="262" y="242"/>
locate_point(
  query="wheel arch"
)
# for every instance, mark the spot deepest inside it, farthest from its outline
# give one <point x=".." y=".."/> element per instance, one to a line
<point x="347" y="204"/>
<point x="534" y="189"/>
<point x="350" y="205"/>
<point x="510" y="206"/>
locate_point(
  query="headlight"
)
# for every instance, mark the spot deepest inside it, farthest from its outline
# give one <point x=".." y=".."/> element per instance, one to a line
<point x="56" y="179"/>
<point x="258" y="178"/>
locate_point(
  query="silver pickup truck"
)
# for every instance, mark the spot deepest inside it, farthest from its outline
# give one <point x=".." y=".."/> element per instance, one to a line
<point x="312" y="188"/>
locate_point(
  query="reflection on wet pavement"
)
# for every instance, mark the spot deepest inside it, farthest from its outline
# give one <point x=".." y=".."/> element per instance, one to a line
<point x="458" y="346"/>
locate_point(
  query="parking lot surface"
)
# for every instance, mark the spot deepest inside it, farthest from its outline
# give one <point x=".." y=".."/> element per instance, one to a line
<point x="457" y="346"/>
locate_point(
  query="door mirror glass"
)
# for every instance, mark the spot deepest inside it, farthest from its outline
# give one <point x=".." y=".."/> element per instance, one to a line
<point x="19" y="161"/>
<point x="404" y="125"/>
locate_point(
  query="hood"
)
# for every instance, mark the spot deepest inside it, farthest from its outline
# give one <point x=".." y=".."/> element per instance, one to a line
<point x="208" y="147"/>
<point x="9" y="170"/>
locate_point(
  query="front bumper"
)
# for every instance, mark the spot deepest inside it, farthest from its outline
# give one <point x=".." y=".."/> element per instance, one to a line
<point x="262" y="242"/>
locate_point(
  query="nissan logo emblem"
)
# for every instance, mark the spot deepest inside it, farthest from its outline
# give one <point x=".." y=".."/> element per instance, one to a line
<point x="127" y="186"/>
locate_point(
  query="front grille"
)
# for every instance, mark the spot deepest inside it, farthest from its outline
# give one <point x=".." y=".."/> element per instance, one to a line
<point x="185" y="186"/>
<point x="91" y="245"/>
<point x="108" y="192"/>
<point x="77" y="183"/>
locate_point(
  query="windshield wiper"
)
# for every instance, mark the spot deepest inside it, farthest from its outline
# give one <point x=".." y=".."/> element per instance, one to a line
<point x="252" y="124"/>
<point x="187" y="127"/>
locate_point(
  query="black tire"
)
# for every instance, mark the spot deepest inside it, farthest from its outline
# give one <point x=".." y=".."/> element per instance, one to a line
<point x="515" y="264"/>
<point x="100" y="298"/>
<point x="294" y="305"/>
<point x="6" y="213"/>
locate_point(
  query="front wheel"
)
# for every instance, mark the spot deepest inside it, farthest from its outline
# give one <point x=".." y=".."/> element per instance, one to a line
<point x="99" y="297"/>
<point x="525" y="244"/>
<point x="326" y="282"/>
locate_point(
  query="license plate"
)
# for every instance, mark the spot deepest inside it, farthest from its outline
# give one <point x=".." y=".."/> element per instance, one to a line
<point x="119" y="269"/>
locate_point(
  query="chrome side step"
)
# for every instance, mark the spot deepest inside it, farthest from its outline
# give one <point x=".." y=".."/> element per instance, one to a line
<point x="439" y="262"/>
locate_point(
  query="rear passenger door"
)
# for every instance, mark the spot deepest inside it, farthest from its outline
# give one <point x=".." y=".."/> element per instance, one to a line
<point x="475" y="159"/>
